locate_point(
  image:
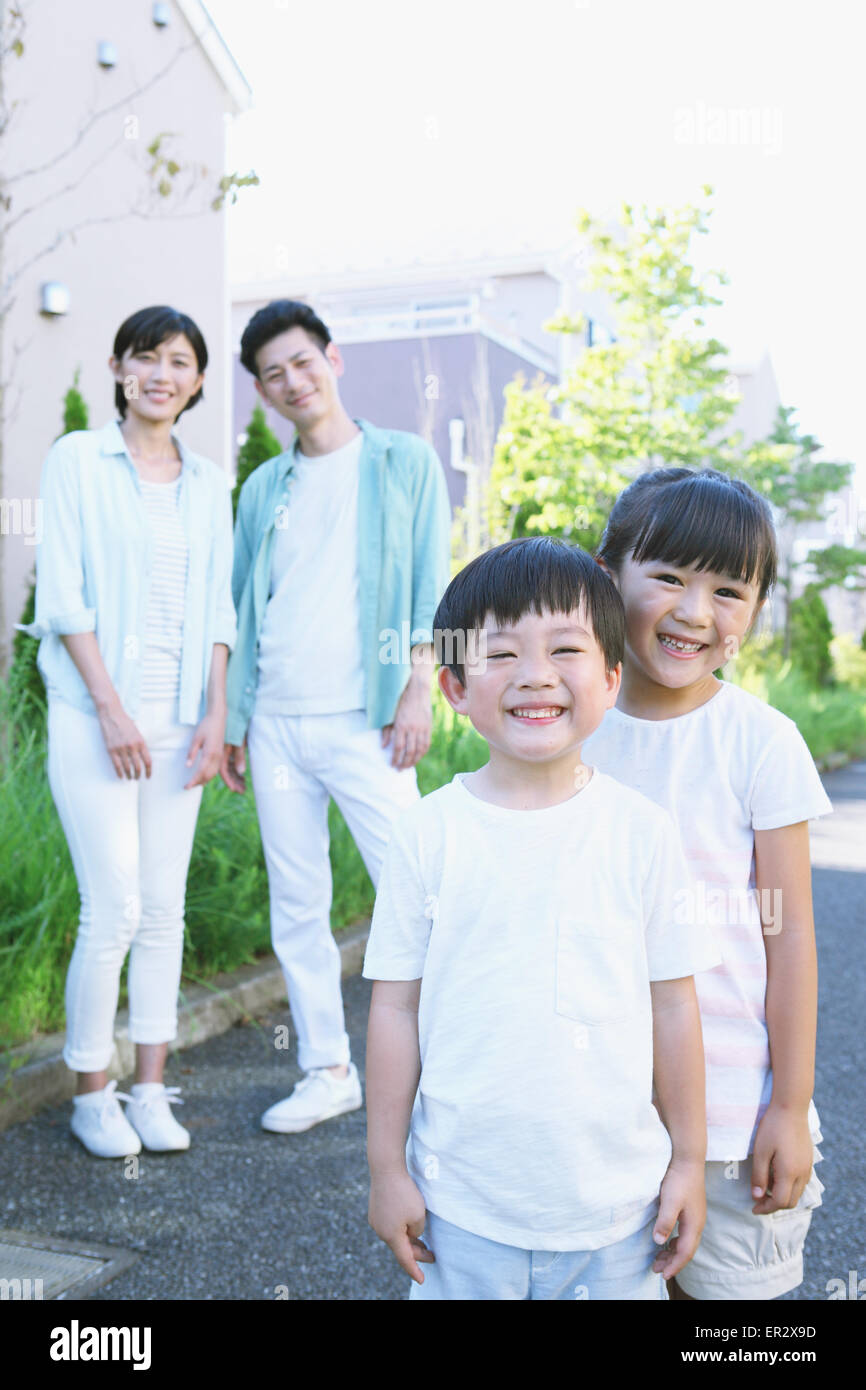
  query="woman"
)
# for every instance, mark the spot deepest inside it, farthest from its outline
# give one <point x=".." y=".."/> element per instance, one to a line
<point x="134" y="609"/>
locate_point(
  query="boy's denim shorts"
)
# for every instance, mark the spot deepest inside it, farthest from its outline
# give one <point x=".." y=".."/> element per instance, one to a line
<point x="470" y="1267"/>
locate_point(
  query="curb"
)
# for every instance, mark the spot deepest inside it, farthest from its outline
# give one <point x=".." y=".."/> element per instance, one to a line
<point x="35" y="1074"/>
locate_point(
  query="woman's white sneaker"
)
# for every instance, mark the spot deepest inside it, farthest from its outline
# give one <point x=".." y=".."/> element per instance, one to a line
<point x="149" y="1112"/>
<point x="100" y="1124"/>
<point x="318" y="1096"/>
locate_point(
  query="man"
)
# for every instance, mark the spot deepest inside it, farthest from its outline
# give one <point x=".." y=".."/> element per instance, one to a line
<point x="341" y="556"/>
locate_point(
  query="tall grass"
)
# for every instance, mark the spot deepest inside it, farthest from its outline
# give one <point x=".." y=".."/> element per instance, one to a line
<point x="227" y="913"/>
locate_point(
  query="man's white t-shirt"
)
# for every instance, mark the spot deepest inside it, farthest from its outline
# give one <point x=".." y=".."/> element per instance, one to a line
<point x="310" y="657"/>
<point x="730" y="767"/>
<point x="536" y="935"/>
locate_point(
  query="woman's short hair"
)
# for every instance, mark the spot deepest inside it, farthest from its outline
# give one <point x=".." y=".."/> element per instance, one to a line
<point x="145" y="330"/>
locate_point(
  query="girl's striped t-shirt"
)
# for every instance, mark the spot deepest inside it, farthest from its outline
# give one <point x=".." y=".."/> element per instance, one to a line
<point x="730" y="767"/>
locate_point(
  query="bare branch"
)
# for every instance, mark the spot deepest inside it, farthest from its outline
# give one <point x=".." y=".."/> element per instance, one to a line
<point x="59" y="192"/>
<point x="99" y="115"/>
<point x="142" y="212"/>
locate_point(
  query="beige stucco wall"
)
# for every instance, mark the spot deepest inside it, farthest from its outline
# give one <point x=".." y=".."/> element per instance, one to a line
<point x="140" y="249"/>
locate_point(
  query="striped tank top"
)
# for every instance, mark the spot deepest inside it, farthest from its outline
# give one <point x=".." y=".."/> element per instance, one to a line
<point x="163" y="643"/>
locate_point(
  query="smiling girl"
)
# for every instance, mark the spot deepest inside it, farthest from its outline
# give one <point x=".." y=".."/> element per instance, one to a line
<point x="693" y="554"/>
<point x="135" y="617"/>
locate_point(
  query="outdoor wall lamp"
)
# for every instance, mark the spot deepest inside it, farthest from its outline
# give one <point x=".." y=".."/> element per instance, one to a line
<point x="161" y="15"/>
<point x="107" y="55"/>
<point x="54" y="298"/>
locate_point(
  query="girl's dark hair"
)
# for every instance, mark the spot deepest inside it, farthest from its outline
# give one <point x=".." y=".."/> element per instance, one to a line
<point x="276" y="318"/>
<point x="529" y="575"/>
<point x="145" y="330"/>
<point x="689" y="516"/>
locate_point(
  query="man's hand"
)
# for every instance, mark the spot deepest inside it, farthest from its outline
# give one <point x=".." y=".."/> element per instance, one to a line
<point x="411" y="731"/>
<point x="782" y="1160"/>
<point x="683" y="1199"/>
<point x="207" y="741"/>
<point x="397" y="1214"/>
<point x="234" y="766"/>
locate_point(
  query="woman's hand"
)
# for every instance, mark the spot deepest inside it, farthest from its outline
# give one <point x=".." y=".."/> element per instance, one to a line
<point x="207" y="741"/>
<point x="126" y="746"/>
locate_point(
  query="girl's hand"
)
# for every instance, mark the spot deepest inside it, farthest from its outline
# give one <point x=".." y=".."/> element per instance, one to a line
<point x="397" y="1214"/>
<point x="683" y="1199"/>
<point x="207" y="741"/>
<point x="782" y="1161"/>
<point x="126" y="746"/>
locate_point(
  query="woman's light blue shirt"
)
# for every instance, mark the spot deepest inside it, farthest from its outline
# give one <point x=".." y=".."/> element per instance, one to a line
<point x="93" y="566"/>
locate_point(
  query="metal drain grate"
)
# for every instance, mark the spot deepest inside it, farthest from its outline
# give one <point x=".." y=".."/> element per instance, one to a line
<point x="40" y="1267"/>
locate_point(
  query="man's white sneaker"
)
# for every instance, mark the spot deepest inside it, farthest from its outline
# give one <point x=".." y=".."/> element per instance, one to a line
<point x="317" y="1097"/>
<point x="99" y="1122"/>
<point x="149" y="1112"/>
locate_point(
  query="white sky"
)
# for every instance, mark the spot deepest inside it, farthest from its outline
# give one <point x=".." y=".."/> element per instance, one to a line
<point x="390" y="130"/>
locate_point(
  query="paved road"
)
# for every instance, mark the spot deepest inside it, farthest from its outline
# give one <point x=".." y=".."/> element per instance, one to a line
<point x="245" y="1215"/>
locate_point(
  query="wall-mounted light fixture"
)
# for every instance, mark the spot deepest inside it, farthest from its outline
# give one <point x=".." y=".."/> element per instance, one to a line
<point x="107" y="55"/>
<point x="53" y="298"/>
<point x="161" y="15"/>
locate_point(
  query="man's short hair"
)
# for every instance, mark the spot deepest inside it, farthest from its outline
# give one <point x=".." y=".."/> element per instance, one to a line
<point x="530" y="575"/>
<point x="276" y="318"/>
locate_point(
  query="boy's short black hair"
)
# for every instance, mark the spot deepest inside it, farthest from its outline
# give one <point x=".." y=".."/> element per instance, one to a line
<point x="535" y="574"/>
<point x="145" y="330"/>
<point x="694" y="516"/>
<point x="276" y="318"/>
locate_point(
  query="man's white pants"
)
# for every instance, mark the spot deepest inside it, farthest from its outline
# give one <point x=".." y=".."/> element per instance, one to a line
<point x="297" y="762"/>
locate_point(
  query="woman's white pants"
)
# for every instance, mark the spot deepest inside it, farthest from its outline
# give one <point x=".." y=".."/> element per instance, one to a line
<point x="130" y="843"/>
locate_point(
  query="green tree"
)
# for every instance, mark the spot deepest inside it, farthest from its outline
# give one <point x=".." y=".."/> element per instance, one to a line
<point x="784" y="467"/>
<point x="76" y="416"/>
<point x="656" y="395"/>
<point x="260" y="445"/>
<point x="811" y="635"/>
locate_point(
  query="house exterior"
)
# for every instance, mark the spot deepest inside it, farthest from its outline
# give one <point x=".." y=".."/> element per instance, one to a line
<point x="89" y="238"/>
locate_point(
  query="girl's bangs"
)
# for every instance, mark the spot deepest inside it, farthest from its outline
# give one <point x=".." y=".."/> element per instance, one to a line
<point x="712" y="527"/>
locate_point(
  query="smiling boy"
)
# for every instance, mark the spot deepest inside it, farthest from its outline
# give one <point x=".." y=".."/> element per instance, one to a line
<point x="531" y="978"/>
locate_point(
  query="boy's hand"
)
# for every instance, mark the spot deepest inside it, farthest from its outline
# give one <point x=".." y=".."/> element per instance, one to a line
<point x="683" y="1199"/>
<point x="782" y="1160"/>
<point x="397" y="1214"/>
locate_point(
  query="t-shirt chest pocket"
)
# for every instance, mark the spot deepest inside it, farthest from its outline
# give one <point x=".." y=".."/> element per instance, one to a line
<point x="596" y="968"/>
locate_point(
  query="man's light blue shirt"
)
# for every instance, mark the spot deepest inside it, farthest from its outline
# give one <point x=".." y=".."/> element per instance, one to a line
<point x="93" y="566"/>
<point x="404" y="525"/>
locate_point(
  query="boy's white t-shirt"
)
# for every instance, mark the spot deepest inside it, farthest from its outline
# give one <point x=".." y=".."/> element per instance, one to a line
<point x="310" y="652"/>
<point x="536" y="935"/>
<point x="730" y="767"/>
